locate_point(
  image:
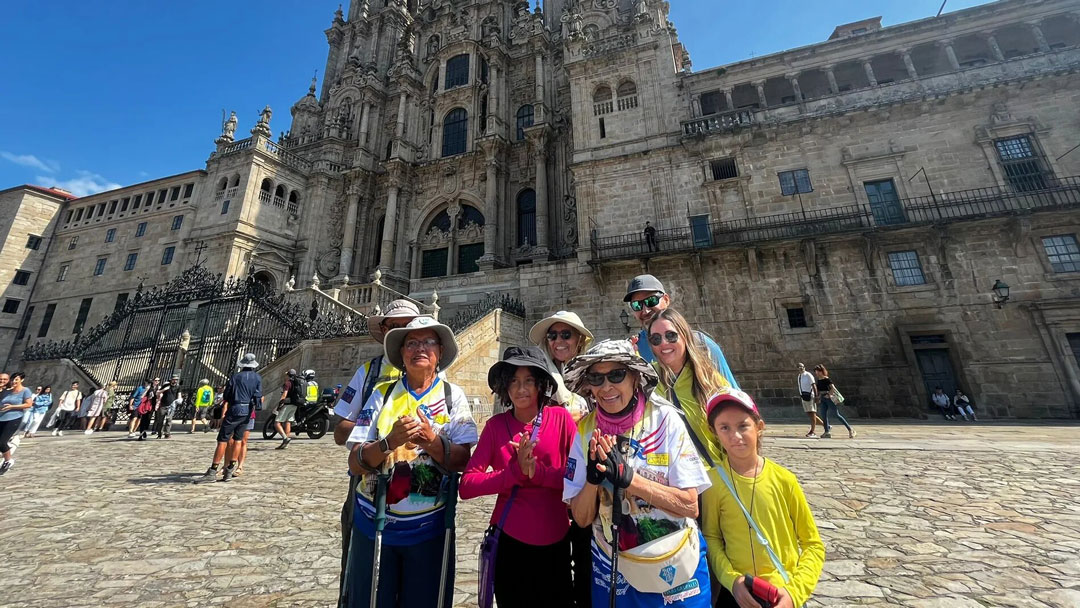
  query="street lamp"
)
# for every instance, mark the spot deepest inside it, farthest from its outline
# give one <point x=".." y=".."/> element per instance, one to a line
<point x="1000" y="293"/>
<point x="625" y="318"/>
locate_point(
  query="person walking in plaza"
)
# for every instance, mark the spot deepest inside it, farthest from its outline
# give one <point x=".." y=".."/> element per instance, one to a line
<point x="98" y="399"/>
<point x="42" y="402"/>
<point x="147" y="407"/>
<point x="133" y="407"/>
<point x="242" y="394"/>
<point x="292" y="397"/>
<point x="687" y="376"/>
<point x="829" y="399"/>
<point x="24" y="422"/>
<point x="110" y="411"/>
<point x="634" y="451"/>
<point x="962" y="404"/>
<point x="942" y="403"/>
<point x="14" y="400"/>
<point x="419" y="431"/>
<point x="171" y="398"/>
<point x="806" y="387"/>
<point x="563" y="336"/>
<point x="521" y="458"/>
<point x="646" y="296"/>
<point x="66" y="410"/>
<point x="204" y="401"/>
<point x="772" y="499"/>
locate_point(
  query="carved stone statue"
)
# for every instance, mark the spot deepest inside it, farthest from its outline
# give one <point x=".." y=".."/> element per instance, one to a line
<point x="228" y="130"/>
<point x="263" y="126"/>
<point x="315" y="281"/>
<point x="290" y="285"/>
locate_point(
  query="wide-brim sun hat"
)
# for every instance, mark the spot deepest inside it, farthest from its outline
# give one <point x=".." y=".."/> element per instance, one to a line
<point x="402" y="309"/>
<point x="516" y="356"/>
<point x="395" y="339"/>
<point x="538" y="333"/>
<point x="731" y="396"/>
<point x="610" y="351"/>
<point x="248" y="361"/>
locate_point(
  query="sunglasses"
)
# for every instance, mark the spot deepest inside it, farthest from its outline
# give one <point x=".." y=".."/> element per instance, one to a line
<point x="615" y="376"/>
<point x="565" y="334"/>
<point x="671" y="337"/>
<point x="649" y="302"/>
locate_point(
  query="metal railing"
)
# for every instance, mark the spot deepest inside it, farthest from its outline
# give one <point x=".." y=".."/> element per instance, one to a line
<point x="1023" y="197"/>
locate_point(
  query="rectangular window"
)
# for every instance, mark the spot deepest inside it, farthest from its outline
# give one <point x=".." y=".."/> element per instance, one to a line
<point x="22" y="277"/>
<point x="1022" y="166"/>
<point x="796" y="318"/>
<point x="162" y="194"/>
<point x="433" y="263"/>
<point x="67" y="218"/>
<point x="795" y="182"/>
<point x="99" y="268"/>
<point x="73" y="242"/>
<point x="603" y="128"/>
<point x="46" y="321"/>
<point x="110" y="235"/>
<point x="224" y="207"/>
<point x="177" y="221"/>
<point x="34" y="241"/>
<point x="1063" y="252"/>
<point x="129" y="264"/>
<point x="89" y="212"/>
<point x="112" y="206"/>
<point x="100" y="209"/>
<point x="140" y="229"/>
<point x="167" y="255"/>
<point x="125" y="204"/>
<point x="174" y="194"/>
<point x="78" y="214"/>
<point x="11" y="306"/>
<point x="457" y="71"/>
<point x="724" y="168"/>
<point x="188" y="189"/>
<point x="699" y="229"/>
<point x="121" y="299"/>
<point x="710" y="103"/>
<point x="84" y="312"/>
<point x="906" y="268"/>
<point x="25" y="324"/>
<point x="467" y="256"/>
<point x="62" y="275"/>
<point x="138" y="201"/>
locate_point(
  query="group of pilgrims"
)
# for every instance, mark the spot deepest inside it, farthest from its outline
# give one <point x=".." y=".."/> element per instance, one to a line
<point x="644" y="444"/>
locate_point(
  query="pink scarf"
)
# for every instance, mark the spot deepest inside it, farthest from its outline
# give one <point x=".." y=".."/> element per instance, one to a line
<point x="612" y="425"/>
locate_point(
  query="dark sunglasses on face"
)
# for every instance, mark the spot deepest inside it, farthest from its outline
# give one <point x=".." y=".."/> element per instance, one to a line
<point x="649" y="302"/>
<point x="615" y="376"/>
<point x="656" y="339"/>
<point x="565" y="334"/>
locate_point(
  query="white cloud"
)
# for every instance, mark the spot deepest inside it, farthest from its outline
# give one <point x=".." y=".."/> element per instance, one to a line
<point x="29" y="160"/>
<point x="85" y="184"/>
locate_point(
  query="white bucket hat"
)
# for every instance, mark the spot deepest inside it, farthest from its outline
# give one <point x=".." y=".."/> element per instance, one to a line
<point x="537" y="335"/>
<point x="401" y="309"/>
<point x="248" y="362"/>
<point x="395" y="339"/>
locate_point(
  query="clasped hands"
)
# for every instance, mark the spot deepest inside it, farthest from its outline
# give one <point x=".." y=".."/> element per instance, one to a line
<point x="606" y="461"/>
<point x="412" y="429"/>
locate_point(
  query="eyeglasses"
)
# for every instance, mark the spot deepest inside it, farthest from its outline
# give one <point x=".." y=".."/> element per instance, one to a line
<point x="650" y="302"/>
<point x="429" y="343"/>
<point x="565" y="334"/>
<point x="671" y="336"/>
<point x="615" y="376"/>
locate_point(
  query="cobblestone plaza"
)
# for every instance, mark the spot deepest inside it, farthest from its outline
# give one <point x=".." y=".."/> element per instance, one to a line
<point x="921" y="515"/>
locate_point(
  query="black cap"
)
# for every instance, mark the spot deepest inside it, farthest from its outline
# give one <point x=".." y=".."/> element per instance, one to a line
<point x="517" y="356"/>
<point x="643" y="282"/>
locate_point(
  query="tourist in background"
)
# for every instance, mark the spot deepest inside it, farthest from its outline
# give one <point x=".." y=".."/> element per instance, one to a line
<point x="14" y="399"/>
<point x="646" y="296"/>
<point x="687" y="376"/>
<point x="521" y="457"/>
<point x="242" y="394"/>
<point x="807" y="388"/>
<point x="942" y="402"/>
<point x="962" y="403"/>
<point x="147" y="407"/>
<point x="66" y="410"/>
<point x="419" y="430"/>
<point x="204" y="401"/>
<point x="42" y="402"/>
<point x="829" y="399"/>
<point x="285" y="414"/>
<point x="773" y="498"/>
<point x="133" y="407"/>
<point x="111" y="409"/>
<point x="98" y="399"/>
<point x="171" y="398"/>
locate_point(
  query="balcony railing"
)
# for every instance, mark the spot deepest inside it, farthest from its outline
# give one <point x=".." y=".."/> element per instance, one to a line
<point x="1046" y="194"/>
<point x="718" y="122"/>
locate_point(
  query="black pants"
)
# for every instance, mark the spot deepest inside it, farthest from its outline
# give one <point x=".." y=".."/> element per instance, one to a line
<point x="581" y="554"/>
<point x="520" y="566"/>
<point x="7" y="431"/>
<point x="67" y="420"/>
<point x="145" y="422"/>
<point x="347" y="510"/>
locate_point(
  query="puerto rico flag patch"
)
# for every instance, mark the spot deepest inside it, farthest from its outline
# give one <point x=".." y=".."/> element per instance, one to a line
<point x="571" y="467"/>
<point x="364" y="418"/>
<point x="347" y="397"/>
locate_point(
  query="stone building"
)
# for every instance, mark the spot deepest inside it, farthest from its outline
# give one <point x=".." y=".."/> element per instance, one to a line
<point x="850" y="203"/>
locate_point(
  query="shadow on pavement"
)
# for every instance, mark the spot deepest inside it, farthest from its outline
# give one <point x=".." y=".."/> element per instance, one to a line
<point x="167" y="478"/>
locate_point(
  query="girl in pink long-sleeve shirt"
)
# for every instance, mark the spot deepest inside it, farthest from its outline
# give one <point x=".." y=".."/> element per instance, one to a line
<point x="512" y="453"/>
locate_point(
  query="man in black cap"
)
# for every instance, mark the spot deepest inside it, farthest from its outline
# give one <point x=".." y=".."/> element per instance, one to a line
<point x="646" y="297"/>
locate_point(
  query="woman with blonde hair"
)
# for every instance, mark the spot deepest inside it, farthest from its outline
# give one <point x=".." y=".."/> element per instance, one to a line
<point x="687" y="377"/>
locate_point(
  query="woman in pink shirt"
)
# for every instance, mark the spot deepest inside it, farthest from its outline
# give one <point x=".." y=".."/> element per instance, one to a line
<point x="511" y="454"/>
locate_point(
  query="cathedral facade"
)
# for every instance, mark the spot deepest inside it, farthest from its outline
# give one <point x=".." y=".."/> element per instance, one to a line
<point x="852" y="202"/>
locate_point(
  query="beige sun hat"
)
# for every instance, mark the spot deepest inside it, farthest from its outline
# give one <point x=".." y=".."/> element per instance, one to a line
<point x="402" y="309"/>
<point x="395" y="339"/>
<point x="537" y="335"/>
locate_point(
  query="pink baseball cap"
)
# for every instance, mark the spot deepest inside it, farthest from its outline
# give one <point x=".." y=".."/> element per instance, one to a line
<point x="731" y="395"/>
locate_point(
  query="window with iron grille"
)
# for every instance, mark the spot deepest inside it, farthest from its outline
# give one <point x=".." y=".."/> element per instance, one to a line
<point x="110" y="235"/>
<point x="724" y="168"/>
<point x="796" y="317"/>
<point x="1022" y="166"/>
<point x="129" y="264"/>
<point x="167" y="256"/>
<point x="433" y="263"/>
<point x="795" y="182"/>
<point x="906" y="268"/>
<point x="84" y="313"/>
<point x="11" y="306"/>
<point x="526" y="207"/>
<point x="140" y="229"/>
<point x="99" y="268"/>
<point x="525" y="119"/>
<point x="22" y="277"/>
<point x="457" y="71"/>
<point x="455" y="132"/>
<point x="1063" y="252"/>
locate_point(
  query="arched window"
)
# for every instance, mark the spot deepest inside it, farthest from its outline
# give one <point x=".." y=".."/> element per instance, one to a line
<point x="294" y="202"/>
<point x="470" y="215"/>
<point x="524" y="120"/>
<point x="235" y="181"/>
<point x="455" y="132"/>
<point x="267" y="185"/>
<point x="457" y="71"/>
<point x="223" y="184"/>
<point x="378" y="240"/>
<point x="602" y="93"/>
<point x="266" y="191"/>
<point x="526" y="209"/>
<point x="627" y="88"/>
<point x="389" y="149"/>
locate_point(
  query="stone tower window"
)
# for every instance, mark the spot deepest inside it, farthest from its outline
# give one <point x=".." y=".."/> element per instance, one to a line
<point x="455" y="132"/>
<point x="526" y="208"/>
<point x="525" y="119"/>
<point x="457" y="71"/>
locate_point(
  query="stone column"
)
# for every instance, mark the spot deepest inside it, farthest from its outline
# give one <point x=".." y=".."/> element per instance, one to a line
<point x="794" y="80"/>
<point x="348" y="239"/>
<point x="540" y="146"/>
<point x="1040" y="39"/>
<point x="869" y="69"/>
<point x="494" y="107"/>
<point x="760" y="86"/>
<point x="950" y="54"/>
<point x="541" y="109"/>
<point x="695" y="106"/>
<point x="491" y="225"/>
<point x="386" y="254"/>
<point x="365" y="116"/>
<point x="909" y="64"/>
<point x="831" y="76"/>
<point x="400" y="130"/>
<point x="728" y="99"/>
<point x="417" y="254"/>
<point x="995" y="50"/>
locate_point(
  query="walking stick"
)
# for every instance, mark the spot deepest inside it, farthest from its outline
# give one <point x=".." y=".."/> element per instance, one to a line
<point x="451" y="515"/>
<point x="380" y="523"/>
<point x="616" y="524"/>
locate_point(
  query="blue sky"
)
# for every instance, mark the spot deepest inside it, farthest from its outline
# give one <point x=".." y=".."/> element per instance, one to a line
<point x="94" y="95"/>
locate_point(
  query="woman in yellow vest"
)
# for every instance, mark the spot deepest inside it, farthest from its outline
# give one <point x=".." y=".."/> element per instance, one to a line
<point x="204" y="400"/>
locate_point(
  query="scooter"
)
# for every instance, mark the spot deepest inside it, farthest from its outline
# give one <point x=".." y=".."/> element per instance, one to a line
<point x="311" y="418"/>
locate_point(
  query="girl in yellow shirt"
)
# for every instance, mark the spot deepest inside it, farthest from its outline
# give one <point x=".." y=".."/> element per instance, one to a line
<point x="773" y="498"/>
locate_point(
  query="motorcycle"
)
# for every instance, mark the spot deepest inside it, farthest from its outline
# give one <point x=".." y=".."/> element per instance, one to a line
<point x="311" y="418"/>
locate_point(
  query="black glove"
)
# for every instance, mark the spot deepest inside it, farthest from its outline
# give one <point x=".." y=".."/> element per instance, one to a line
<point x="619" y="471"/>
<point x="592" y="475"/>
